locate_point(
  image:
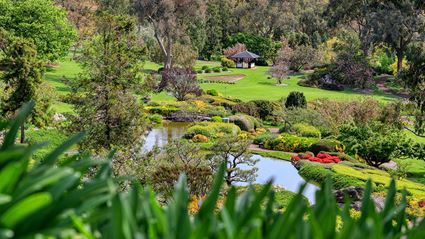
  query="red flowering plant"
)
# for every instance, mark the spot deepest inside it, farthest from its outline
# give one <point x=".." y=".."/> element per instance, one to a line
<point x="422" y="204"/>
<point x="320" y="158"/>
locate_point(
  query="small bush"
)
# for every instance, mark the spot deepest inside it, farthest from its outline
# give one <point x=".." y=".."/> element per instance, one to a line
<point x="216" y="119"/>
<point x="245" y="122"/>
<point x="225" y="69"/>
<point x="212" y="92"/>
<point x="211" y="129"/>
<point x="208" y="70"/>
<point x="199" y="129"/>
<point x="296" y="100"/>
<point x="225" y="62"/>
<point x="199" y="71"/>
<point x="199" y="138"/>
<point x="325" y="145"/>
<point x="265" y="138"/>
<point x="155" y="118"/>
<point x="265" y="108"/>
<point x="291" y="143"/>
<point x="217" y="69"/>
<point x="205" y="67"/>
<point x="306" y="130"/>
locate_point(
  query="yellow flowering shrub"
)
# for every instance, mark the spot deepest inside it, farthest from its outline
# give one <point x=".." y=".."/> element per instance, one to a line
<point x="199" y="138"/>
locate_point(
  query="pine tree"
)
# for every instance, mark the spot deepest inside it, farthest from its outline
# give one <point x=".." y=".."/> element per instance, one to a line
<point x="107" y="107"/>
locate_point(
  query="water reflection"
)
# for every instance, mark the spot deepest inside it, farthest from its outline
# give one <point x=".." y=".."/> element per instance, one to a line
<point x="283" y="174"/>
<point x="164" y="135"/>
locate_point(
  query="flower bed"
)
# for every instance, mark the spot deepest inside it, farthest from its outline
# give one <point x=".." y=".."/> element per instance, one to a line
<point x="320" y="158"/>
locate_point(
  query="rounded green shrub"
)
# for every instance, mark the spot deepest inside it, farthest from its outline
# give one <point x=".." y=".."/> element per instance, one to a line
<point x="199" y="129"/>
<point x="205" y="67"/>
<point x="225" y="62"/>
<point x="291" y="143"/>
<point x="245" y="122"/>
<point x="216" y="119"/>
<point x="212" y="92"/>
<point x="296" y="100"/>
<point x="225" y="69"/>
<point x="155" y="118"/>
<point x="199" y="71"/>
<point x="208" y="70"/>
<point x="325" y="145"/>
<point x="265" y="138"/>
<point x="217" y="69"/>
<point x="306" y="130"/>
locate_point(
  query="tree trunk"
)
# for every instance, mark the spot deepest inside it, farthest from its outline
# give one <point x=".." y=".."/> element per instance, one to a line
<point x="399" y="62"/>
<point x="168" y="56"/>
<point x="22" y="133"/>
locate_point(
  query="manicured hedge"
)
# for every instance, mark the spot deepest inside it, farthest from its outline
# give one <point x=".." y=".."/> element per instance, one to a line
<point x="317" y="173"/>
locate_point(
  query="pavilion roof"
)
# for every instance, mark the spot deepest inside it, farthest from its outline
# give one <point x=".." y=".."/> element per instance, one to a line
<point x="246" y="54"/>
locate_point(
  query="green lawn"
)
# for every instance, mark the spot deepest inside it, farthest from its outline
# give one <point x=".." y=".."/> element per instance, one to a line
<point x="66" y="69"/>
<point x="254" y="86"/>
<point x="414" y="137"/>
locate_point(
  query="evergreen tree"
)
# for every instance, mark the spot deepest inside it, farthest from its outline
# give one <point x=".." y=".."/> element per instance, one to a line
<point x="107" y="107"/>
<point x="22" y="76"/>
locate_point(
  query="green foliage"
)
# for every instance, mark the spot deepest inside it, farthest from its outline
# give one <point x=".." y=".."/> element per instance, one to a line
<point x="225" y="62"/>
<point x="41" y="22"/>
<point x="375" y="143"/>
<point x="212" y="92"/>
<point x="326" y="145"/>
<point x="53" y="138"/>
<point x="205" y="67"/>
<point x="274" y="154"/>
<point x="22" y="76"/>
<point x="58" y="200"/>
<point x="414" y="79"/>
<point x="410" y="149"/>
<point x="216" y="119"/>
<point x="290" y="143"/>
<point x="296" y="100"/>
<point x="305" y="130"/>
<point x="317" y="173"/>
<point x="155" y="118"/>
<point x="264" y="138"/>
<point x="245" y="122"/>
<point x="216" y="69"/>
<point x="262" y="46"/>
<point x="211" y="129"/>
<point x="108" y="110"/>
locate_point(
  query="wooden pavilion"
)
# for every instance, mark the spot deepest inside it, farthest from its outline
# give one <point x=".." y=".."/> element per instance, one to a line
<point x="245" y="59"/>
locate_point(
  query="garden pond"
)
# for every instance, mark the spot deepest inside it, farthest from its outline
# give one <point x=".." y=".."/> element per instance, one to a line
<point x="283" y="173"/>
